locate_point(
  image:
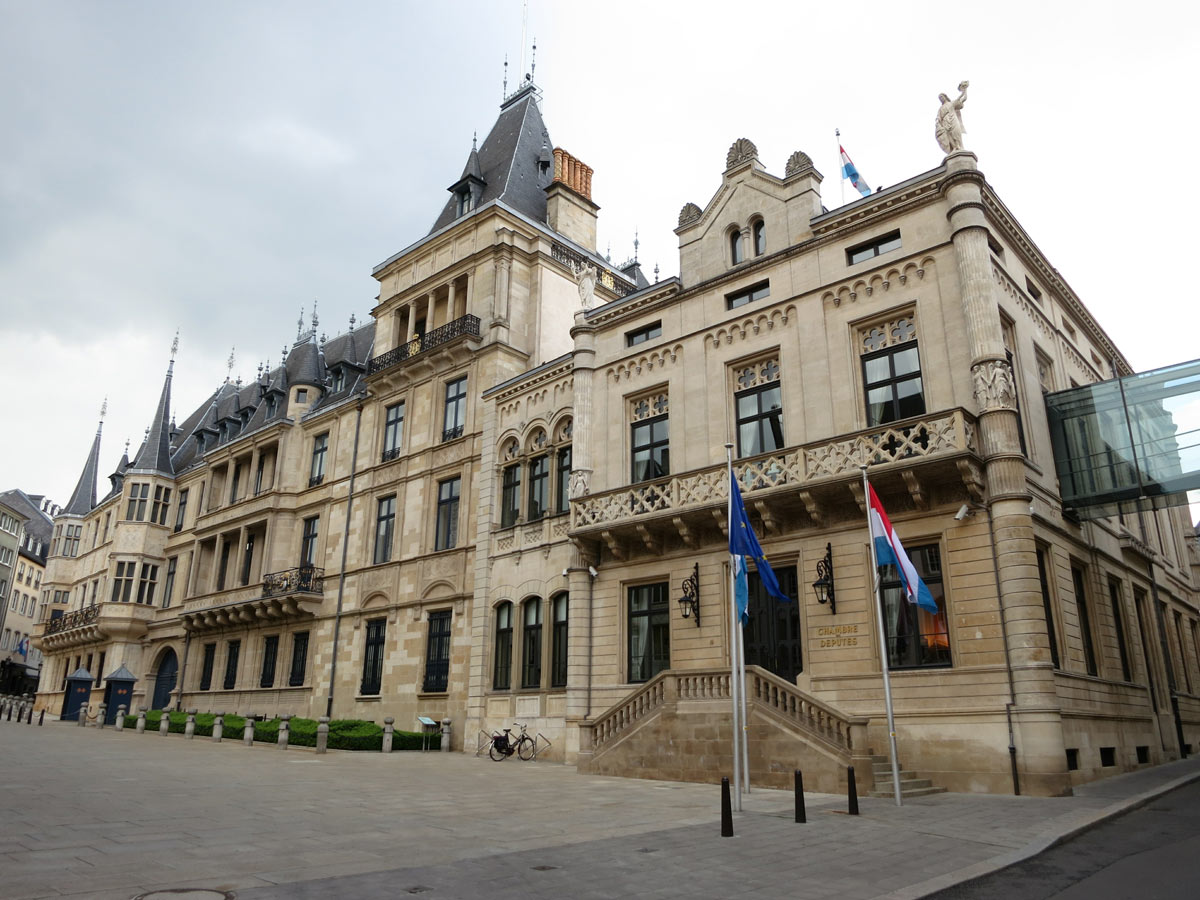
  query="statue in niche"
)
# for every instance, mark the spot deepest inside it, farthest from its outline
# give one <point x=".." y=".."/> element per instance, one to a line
<point x="994" y="387"/>
<point x="585" y="277"/>
<point x="948" y="127"/>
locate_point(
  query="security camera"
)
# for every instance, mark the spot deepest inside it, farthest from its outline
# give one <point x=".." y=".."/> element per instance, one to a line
<point x="592" y="571"/>
<point x="963" y="512"/>
<point x="565" y="572"/>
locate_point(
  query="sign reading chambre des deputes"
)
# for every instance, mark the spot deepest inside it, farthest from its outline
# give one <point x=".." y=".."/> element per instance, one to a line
<point x="834" y="636"/>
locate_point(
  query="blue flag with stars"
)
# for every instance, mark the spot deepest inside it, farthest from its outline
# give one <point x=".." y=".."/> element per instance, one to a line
<point x="743" y="543"/>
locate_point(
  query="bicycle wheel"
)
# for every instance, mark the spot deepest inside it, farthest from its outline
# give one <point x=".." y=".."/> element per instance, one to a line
<point x="525" y="747"/>
<point x="496" y="753"/>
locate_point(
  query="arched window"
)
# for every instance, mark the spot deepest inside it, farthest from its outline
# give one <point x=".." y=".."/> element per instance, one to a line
<point x="531" y="643"/>
<point x="735" y="247"/>
<point x="558" y="642"/>
<point x="502" y="668"/>
<point x="760" y="237"/>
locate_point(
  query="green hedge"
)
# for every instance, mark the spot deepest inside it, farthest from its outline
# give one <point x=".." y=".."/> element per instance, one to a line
<point x="344" y="734"/>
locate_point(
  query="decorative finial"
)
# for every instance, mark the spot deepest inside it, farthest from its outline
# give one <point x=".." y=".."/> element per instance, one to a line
<point x="533" y="60"/>
<point x="474" y="141"/>
<point x="352" y="321"/>
<point x="283" y="355"/>
<point x="608" y="252"/>
<point x="127" y="443"/>
<point x="229" y="363"/>
<point x="324" y="338"/>
<point x="314" y="319"/>
<point x="656" y="273"/>
<point x="635" y="244"/>
<point x="175" y="344"/>
<point x="504" y="91"/>
<point x="300" y="323"/>
<point x="103" y="409"/>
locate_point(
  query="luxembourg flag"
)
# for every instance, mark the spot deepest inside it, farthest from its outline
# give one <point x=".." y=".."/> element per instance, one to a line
<point x="23" y="648"/>
<point x="890" y="552"/>
<point x="851" y="173"/>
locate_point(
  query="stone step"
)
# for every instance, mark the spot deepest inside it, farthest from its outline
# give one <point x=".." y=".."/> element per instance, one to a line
<point x="904" y="792"/>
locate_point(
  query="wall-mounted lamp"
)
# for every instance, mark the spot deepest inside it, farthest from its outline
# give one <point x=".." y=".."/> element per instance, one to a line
<point x="823" y="586"/>
<point x="689" y="600"/>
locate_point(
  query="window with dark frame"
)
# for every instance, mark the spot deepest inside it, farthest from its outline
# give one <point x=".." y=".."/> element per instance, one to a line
<point x="455" y="416"/>
<point x="232" y="653"/>
<point x="558" y="642"/>
<point x="539" y="487"/>
<point x="760" y="237"/>
<point x="437" y="653"/>
<point x="180" y="510"/>
<point x="649" y="631"/>
<point x="759" y="419"/>
<point x="892" y="379"/>
<point x="162" y="504"/>
<point x="316" y="472"/>
<point x="393" y="431"/>
<point x="223" y="565"/>
<point x="643" y="334"/>
<point x="100" y="668"/>
<point x="531" y="643"/>
<point x="510" y="495"/>
<point x="873" y="248"/>
<point x="372" y="677"/>
<point x="1085" y="620"/>
<point x="206" y="667"/>
<point x="916" y="638"/>
<point x="502" y="664"/>
<point x="266" y="677"/>
<point x="1047" y="607"/>
<point x="755" y="292"/>
<point x="651" y="449"/>
<point x="308" y="542"/>
<point x="562" y="492"/>
<point x="258" y="475"/>
<point x="123" y="582"/>
<point x="385" y="524"/>
<point x="1118" y="612"/>
<point x="247" y="559"/>
<point x="169" y="583"/>
<point x="736" y="253"/>
<point x="299" y="658"/>
<point x="1183" y="665"/>
<point x="236" y="482"/>
<point x="446" y="536"/>
<point x="136" y="510"/>
<point x="147" y="584"/>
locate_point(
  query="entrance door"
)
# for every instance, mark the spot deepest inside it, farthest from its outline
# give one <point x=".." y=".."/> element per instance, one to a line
<point x="773" y="636"/>
<point x="164" y="682"/>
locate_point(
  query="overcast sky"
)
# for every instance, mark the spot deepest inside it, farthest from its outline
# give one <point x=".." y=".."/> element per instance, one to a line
<point x="214" y="167"/>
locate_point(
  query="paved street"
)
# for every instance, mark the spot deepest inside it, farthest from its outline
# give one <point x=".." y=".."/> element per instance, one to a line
<point x="105" y="816"/>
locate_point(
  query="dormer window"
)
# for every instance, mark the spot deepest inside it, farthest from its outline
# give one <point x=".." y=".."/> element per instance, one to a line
<point x="338" y="380"/>
<point x="464" y="201"/>
<point x="271" y="403"/>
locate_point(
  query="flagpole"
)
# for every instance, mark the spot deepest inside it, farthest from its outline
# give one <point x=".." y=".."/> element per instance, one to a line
<point x="742" y="689"/>
<point x="837" y="133"/>
<point x="734" y="623"/>
<point x="887" y="682"/>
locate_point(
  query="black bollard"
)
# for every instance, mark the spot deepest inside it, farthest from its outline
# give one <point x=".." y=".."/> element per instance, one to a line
<point x="726" y="810"/>
<point x="851" y="791"/>
<point x="41" y="718"/>
<point x="801" y="816"/>
<point x="10" y="706"/>
<point x="29" y="718"/>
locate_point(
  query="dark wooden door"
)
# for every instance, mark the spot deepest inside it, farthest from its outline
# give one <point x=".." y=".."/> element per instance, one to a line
<point x="773" y="636"/>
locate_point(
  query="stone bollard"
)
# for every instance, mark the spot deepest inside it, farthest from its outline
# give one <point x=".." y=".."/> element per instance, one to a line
<point x="164" y="724"/>
<point x="282" y="741"/>
<point x="101" y="716"/>
<point x="141" y="722"/>
<point x="189" y="728"/>
<point x="445" y="735"/>
<point x="322" y="734"/>
<point x="83" y="714"/>
<point x="218" y="727"/>
<point x="389" y="727"/>
<point x="248" y="730"/>
<point x="119" y="725"/>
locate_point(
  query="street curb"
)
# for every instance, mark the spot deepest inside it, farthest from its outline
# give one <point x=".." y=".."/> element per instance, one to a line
<point x="1039" y="845"/>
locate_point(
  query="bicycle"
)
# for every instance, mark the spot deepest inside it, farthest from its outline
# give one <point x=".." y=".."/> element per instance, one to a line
<point x="505" y="745"/>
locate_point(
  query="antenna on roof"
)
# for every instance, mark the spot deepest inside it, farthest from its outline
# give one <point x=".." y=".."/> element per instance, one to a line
<point x="524" y="24"/>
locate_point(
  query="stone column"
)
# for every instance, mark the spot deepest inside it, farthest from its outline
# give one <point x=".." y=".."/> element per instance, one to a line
<point x="119" y="725"/>
<point x="164" y="724"/>
<point x="141" y="722"/>
<point x="1042" y="760"/>
<point x="500" y="301"/>
<point x="100" y="716"/>
<point x="388" y="734"/>
<point x="189" y="727"/>
<point x="282" y="739"/>
<point x="451" y="307"/>
<point x="322" y="734"/>
<point x="218" y="727"/>
<point x="445" y="735"/>
<point x="81" y="721"/>
<point x="248" y="730"/>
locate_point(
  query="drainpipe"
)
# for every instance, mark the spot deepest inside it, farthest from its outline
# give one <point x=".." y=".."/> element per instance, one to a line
<point x="1012" y="693"/>
<point x="337" y="620"/>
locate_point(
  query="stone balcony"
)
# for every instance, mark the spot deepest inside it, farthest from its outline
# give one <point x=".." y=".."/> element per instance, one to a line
<point x="290" y="594"/>
<point x="464" y="328"/>
<point x="812" y="485"/>
<point x="93" y="623"/>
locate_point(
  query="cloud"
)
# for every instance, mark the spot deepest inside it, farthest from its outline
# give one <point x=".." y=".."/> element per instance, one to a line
<point x="294" y="142"/>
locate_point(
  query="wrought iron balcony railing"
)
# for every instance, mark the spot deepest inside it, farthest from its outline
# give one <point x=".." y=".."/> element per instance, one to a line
<point x="315" y="480"/>
<point x="570" y="258"/>
<point x="390" y="454"/>
<point x="301" y="580"/>
<point x="464" y="326"/>
<point x="80" y="617"/>
<point x="450" y="434"/>
<point x="909" y="440"/>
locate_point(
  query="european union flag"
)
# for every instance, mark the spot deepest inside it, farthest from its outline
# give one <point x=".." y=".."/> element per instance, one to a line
<point x="744" y="543"/>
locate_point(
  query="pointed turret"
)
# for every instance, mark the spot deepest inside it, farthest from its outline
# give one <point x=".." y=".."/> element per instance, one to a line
<point x="155" y="453"/>
<point x="83" y="499"/>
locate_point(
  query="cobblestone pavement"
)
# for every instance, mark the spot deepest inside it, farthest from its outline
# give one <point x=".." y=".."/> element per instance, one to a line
<point x="107" y="815"/>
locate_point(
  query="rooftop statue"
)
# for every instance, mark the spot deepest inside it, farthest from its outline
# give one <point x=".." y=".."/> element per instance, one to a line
<point x="585" y="277"/>
<point x="948" y="127"/>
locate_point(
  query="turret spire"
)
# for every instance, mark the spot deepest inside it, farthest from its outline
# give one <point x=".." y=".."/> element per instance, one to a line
<point x="83" y="498"/>
<point x="155" y="453"/>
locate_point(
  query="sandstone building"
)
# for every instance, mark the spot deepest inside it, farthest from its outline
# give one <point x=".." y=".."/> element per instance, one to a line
<point x="487" y="504"/>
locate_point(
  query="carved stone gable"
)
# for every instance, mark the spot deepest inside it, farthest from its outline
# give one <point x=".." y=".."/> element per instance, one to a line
<point x="742" y="150"/>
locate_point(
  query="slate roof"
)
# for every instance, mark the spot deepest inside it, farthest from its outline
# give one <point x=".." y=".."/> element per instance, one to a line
<point x="155" y="453"/>
<point x="83" y="498"/>
<point x="514" y="161"/>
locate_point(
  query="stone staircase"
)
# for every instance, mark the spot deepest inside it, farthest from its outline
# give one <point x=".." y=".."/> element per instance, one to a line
<point x="911" y="784"/>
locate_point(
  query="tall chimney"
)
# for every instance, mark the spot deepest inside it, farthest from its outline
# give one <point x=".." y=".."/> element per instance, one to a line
<point x="569" y="207"/>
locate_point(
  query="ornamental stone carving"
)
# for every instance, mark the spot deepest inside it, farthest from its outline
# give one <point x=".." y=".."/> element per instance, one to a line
<point x="742" y="150"/>
<point x="948" y="127"/>
<point x="797" y="162"/>
<point x="689" y="214"/>
<point x="579" y="483"/>
<point x="585" y="278"/>
<point x="994" y="386"/>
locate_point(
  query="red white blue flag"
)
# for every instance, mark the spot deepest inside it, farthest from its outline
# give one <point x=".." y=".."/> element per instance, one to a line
<point x="851" y="174"/>
<point x="890" y="552"/>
